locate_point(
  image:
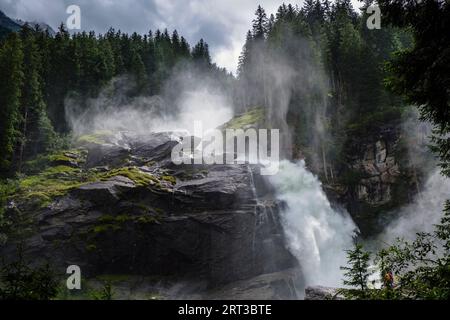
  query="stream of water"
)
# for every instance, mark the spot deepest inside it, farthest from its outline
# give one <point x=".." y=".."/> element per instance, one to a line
<point x="316" y="234"/>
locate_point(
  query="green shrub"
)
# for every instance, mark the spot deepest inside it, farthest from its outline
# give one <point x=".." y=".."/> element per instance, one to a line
<point x="105" y="293"/>
<point x="421" y="268"/>
<point x="19" y="281"/>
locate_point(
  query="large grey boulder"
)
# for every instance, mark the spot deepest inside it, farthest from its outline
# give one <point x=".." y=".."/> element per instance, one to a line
<point x="105" y="191"/>
<point x="322" y="293"/>
<point x="206" y="223"/>
<point x="281" y="285"/>
<point x="106" y="155"/>
<point x="154" y="147"/>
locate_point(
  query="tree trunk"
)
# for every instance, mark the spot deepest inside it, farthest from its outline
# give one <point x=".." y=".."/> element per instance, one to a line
<point x="23" y="142"/>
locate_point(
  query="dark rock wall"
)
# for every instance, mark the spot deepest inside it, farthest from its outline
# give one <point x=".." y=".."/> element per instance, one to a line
<point x="209" y="223"/>
<point x="379" y="177"/>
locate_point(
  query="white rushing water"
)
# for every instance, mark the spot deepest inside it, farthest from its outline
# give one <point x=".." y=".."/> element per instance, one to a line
<point x="422" y="214"/>
<point x="316" y="234"/>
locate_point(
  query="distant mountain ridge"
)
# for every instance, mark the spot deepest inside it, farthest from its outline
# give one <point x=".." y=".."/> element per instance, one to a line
<point x="41" y="25"/>
<point x="8" y="25"/>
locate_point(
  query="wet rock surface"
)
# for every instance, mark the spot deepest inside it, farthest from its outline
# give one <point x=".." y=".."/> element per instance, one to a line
<point x="379" y="177"/>
<point x="141" y="215"/>
<point x="322" y="293"/>
<point x="280" y="285"/>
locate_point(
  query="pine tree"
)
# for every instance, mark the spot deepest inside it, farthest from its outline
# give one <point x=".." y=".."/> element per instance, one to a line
<point x="200" y="53"/>
<point x="357" y="272"/>
<point x="36" y="132"/>
<point x="176" y="42"/>
<point x="308" y="7"/>
<point x="60" y="78"/>
<point x="21" y="280"/>
<point x="244" y="58"/>
<point x="281" y="12"/>
<point x="11" y="74"/>
<point x="271" y="23"/>
<point x="344" y="7"/>
<point x="76" y="66"/>
<point x="260" y="24"/>
<point x="422" y="73"/>
<point x="185" y="51"/>
<point x="326" y="8"/>
<point x="107" y="68"/>
<point x="291" y="13"/>
<point x="138" y="71"/>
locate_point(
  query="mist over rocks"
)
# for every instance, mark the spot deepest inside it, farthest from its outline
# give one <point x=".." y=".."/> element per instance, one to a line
<point x="90" y="124"/>
<point x="127" y="209"/>
<point x="188" y="95"/>
<point x="141" y="215"/>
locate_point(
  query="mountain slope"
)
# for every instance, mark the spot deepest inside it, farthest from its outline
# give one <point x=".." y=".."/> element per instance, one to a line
<point x="41" y="25"/>
<point x="8" y="23"/>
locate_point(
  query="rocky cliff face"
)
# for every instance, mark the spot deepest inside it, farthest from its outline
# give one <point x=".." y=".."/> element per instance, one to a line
<point x="379" y="177"/>
<point x="379" y="170"/>
<point x="118" y="205"/>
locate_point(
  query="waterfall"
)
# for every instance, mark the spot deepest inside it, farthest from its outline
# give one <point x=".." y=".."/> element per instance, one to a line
<point x="316" y="234"/>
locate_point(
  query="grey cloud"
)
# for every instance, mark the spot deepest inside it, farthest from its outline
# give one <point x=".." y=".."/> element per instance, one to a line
<point x="222" y="23"/>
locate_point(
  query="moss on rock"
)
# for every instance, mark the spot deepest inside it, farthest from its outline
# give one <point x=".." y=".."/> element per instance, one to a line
<point x="51" y="183"/>
<point x="101" y="228"/>
<point x="99" y="137"/>
<point x="139" y="177"/>
<point x="71" y="158"/>
<point x="254" y="117"/>
<point x="170" y="179"/>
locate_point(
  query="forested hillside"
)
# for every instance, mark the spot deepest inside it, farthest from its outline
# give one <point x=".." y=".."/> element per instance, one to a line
<point x="319" y="67"/>
<point x="335" y="91"/>
<point x="317" y="72"/>
<point x="363" y="116"/>
<point x="338" y="73"/>
<point x="40" y="71"/>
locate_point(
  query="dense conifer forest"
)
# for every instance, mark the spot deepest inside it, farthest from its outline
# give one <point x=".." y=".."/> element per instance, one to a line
<point x="315" y="70"/>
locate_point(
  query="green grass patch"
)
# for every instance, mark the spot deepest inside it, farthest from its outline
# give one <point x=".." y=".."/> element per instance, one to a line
<point x="41" y="189"/>
<point x="116" y="223"/>
<point x="119" y="220"/>
<point x="146" y="219"/>
<point x="105" y="228"/>
<point x="53" y="181"/>
<point x="140" y="178"/>
<point x="42" y="162"/>
<point x="170" y="179"/>
<point x="99" y="137"/>
<point x="253" y="117"/>
<point x="60" y="158"/>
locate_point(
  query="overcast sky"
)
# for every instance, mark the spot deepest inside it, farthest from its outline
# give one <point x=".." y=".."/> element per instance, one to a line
<point x="222" y="23"/>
